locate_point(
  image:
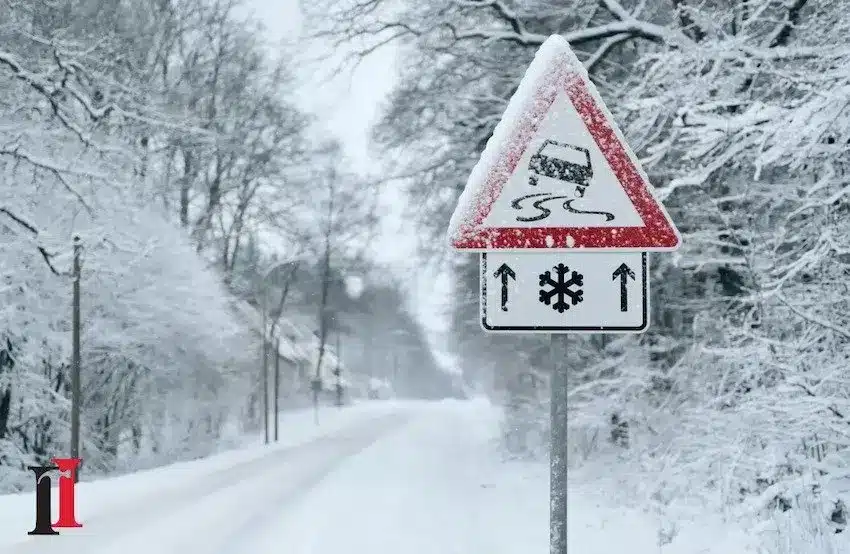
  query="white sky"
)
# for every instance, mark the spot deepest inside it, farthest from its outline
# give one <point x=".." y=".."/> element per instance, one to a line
<point x="347" y="107"/>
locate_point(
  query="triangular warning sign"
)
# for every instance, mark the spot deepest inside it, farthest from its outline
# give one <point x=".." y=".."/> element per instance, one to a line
<point x="558" y="174"/>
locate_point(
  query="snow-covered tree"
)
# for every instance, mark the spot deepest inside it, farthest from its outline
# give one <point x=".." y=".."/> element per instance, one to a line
<point x="93" y="115"/>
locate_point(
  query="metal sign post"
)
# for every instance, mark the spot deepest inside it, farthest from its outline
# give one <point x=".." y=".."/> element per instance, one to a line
<point x="558" y="456"/>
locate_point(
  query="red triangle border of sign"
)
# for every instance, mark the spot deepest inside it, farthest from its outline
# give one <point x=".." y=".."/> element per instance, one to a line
<point x="657" y="232"/>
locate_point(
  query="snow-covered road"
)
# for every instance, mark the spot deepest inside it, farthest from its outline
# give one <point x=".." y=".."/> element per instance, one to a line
<point x="435" y="487"/>
<point x="413" y="478"/>
<point x="211" y="505"/>
<point x="383" y="478"/>
<point x="220" y="515"/>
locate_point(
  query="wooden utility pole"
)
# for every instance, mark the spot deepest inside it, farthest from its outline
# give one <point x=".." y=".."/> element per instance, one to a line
<point x="338" y="372"/>
<point x="75" y="357"/>
<point x="276" y="386"/>
<point x="265" y="370"/>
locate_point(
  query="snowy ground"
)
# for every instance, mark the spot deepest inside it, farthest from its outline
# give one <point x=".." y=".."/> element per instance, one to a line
<point x="380" y="478"/>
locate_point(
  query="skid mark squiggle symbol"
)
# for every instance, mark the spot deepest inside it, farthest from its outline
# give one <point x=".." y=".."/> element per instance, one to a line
<point x="545" y="212"/>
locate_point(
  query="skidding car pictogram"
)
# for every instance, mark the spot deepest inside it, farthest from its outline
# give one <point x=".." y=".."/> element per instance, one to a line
<point x="553" y="160"/>
<point x="562" y="162"/>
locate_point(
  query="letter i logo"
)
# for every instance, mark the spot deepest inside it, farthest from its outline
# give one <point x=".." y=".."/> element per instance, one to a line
<point x="67" y="468"/>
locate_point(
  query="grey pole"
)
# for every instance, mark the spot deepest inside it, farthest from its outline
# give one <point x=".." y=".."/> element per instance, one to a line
<point x="338" y="372"/>
<point x="265" y="365"/>
<point x="558" y="455"/>
<point x="276" y="386"/>
<point x="265" y="373"/>
<point x="75" y="357"/>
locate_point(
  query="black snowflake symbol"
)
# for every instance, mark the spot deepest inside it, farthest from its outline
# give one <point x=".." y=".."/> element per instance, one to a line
<point x="561" y="288"/>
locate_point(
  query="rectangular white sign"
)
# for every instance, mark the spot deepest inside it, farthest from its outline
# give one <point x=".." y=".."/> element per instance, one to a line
<point x="565" y="292"/>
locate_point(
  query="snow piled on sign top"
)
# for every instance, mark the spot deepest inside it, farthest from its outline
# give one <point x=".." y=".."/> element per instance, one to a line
<point x="477" y="193"/>
<point x="556" y="70"/>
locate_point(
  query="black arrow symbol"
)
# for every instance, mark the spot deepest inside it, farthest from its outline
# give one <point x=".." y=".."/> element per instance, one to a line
<point x="505" y="272"/>
<point x="623" y="272"/>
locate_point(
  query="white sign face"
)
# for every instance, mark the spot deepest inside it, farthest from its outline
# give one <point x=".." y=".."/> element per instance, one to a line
<point x="563" y="180"/>
<point x="557" y="292"/>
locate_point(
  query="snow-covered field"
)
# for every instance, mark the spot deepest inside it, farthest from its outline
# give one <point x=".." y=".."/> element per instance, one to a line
<point x="380" y="477"/>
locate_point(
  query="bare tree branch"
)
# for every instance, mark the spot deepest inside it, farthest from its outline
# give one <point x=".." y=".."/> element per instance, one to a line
<point x="46" y="256"/>
<point x="58" y="172"/>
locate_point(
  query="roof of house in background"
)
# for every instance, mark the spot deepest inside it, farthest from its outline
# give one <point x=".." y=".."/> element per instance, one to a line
<point x="298" y="342"/>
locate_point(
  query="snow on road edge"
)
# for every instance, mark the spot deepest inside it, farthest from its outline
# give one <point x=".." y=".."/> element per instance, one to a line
<point x="297" y="428"/>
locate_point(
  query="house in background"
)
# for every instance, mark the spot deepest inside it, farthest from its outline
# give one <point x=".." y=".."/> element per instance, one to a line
<point x="298" y="353"/>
